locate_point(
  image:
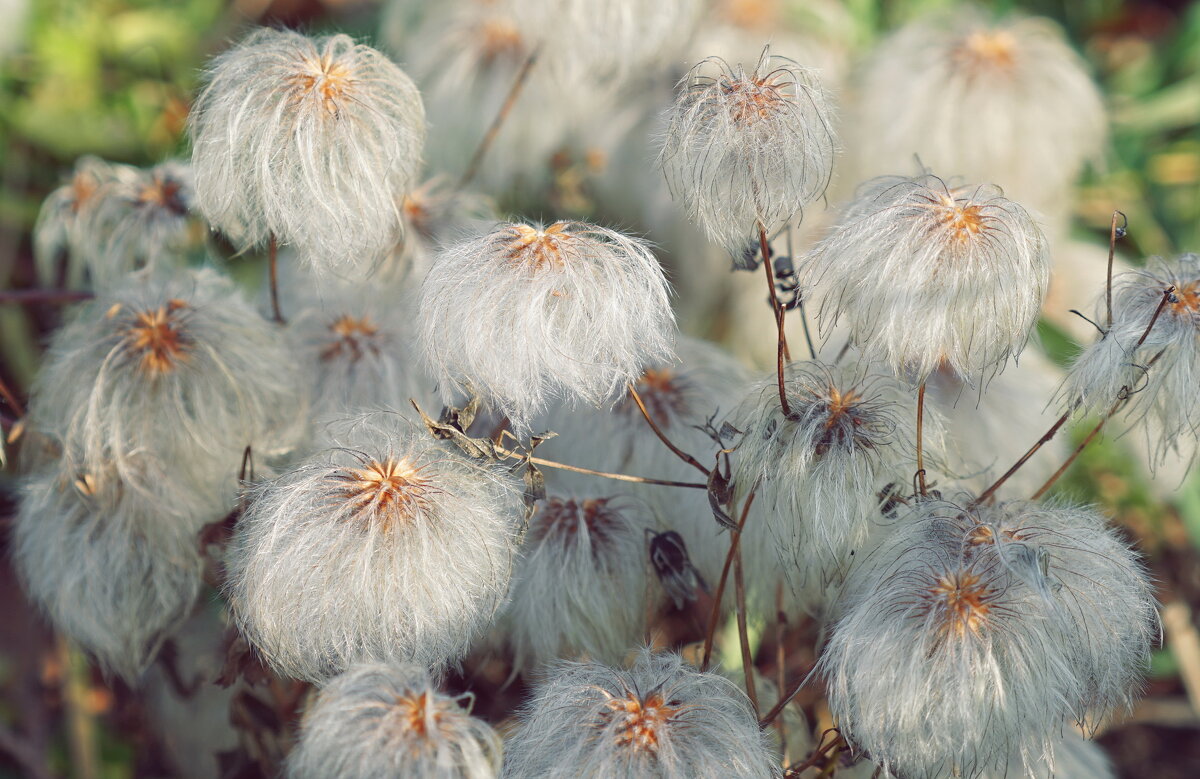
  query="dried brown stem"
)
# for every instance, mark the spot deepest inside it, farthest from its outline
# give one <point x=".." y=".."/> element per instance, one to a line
<point x="682" y="455"/>
<point x="920" y="438"/>
<point x="590" y="472"/>
<point x="784" y="700"/>
<point x="10" y="398"/>
<point x="1112" y="250"/>
<point x="734" y="542"/>
<point x="514" y="92"/>
<point x="781" y="350"/>
<point x="739" y="590"/>
<point x="273" y="278"/>
<point x="28" y="297"/>
<point x="1045" y="439"/>
<point x="816" y="758"/>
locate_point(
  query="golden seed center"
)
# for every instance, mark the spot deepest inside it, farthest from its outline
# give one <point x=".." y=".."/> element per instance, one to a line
<point x="538" y="248"/>
<point x="384" y="489"/>
<point x="641" y="720"/>
<point x="961" y="600"/>
<point x="158" y="335"/>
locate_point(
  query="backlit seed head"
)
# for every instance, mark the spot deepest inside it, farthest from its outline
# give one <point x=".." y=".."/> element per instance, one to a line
<point x="819" y="470"/>
<point x="926" y="274"/>
<point x="114" y="569"/>
<point x="659" y="718"/>
<point x="970" y="635"/>
<point x="1157" y="369"/>
<point x="1007" y="101"/>
<point x="176" y="368"/>
<point x="313" y="141"/>
<point x="387" y="547"/>
<point x="579" y="581"/>
<point x="390" y="720"/>
<point x="745" y="149"/>
<point x="569" y="310"/>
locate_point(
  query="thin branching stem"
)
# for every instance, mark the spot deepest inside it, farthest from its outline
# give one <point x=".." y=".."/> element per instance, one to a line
<point x="781" y="351"/>
<point x="735" y="539"/>
<point x="682" y="455"/>
<point x="1045" y="439"/>
<point x="514" y="93"/>
<point x="615" y="476"/>
<point x="10" y="398"/>
<point x="273" y="278"/>
<point x="739" y="592"/>
<point x="1112" y="250"/>
<point x="920" y="438"/>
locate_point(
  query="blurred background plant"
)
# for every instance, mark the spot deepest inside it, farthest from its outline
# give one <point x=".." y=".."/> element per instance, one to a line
<point x="114" y="78"/>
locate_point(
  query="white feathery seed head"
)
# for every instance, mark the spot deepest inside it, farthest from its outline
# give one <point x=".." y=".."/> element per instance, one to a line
<point x="580" y="581"/>
<point x="926" y="274"/>
<point x="818" y="472"/>
<point x="660" y="718"/>
<point x="526" y="313"/>
<point x="971" y="635"/>
<point x="65" y="219"/>
<point x="359" y="347"/>
<point x="144" y="220"/>
<point x="1007" y="101"/>
<point x="171" y="374"/>
<point x="114" y="569"/>
<point x="433" y="213"/>
<point x="1157" y="368"/>
<point x="390" y="547"/>
<point x="390" y="720"/>
<point x="311" y="140"/>
<point x="748" y="149"/>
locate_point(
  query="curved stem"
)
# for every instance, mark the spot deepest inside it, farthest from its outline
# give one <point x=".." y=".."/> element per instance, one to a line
<point x="781" y="350"/>
<point x="682" y="455"/>
<point x="514" y="92"/>
<point x="273" y="278"/>
<point x="734" y="541"/>
<point x="920" y="438"/>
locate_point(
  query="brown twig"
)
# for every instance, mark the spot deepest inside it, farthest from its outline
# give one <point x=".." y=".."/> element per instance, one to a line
<point x="785" y="699"/>
<point x="781" y="663"/>
<point x="739" y="591"/>
<point x="1045" y="439"/>
<point x="920" y="438"/>
<point x="734" y="542"/>
<point x="10" y="398"/>
<point x="781" y="349"/>
<point x="514" y="92"/>
<point x="1122" y="399"/>
<point x="682" y="455"/>
<point x="616" y="476"/>
<point x="273" y="278"/>
<point x="28" y="297"/>
<point x="816" y="757"/>
<point x="1112" y="250"/>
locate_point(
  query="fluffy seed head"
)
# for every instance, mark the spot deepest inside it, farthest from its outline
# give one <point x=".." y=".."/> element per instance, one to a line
<point x="114" y="569"/>
<point x="314" y="141"/>
<point x="927" y="274"/>
<point x="525" y="313"/>
<point x="389" y="547"/>
<point x="579" y="581"/>
<point x="143" y="220"/>
<point x="744" y="149"/>
<point x="971" y="635"/>
<point x="1159" y="374"/>
<point x="389" y="720"/>
<point x="358" y="345"/>
<point x="818" y="472"/>
<point x="659" y="718"/>
<point x="1008" y="102"/>
<point x="172" y="371"/>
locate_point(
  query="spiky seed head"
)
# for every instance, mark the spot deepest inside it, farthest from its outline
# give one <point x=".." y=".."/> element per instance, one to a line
<point x="659" y="718"/>
<point x="390" y="720"/>
<point x="1007" y="101"/>
<point x="1159" y="374"/>
<point x="818" y="471"/>
<point x="113" y="568"/>
<point x="524" y="313"/>
<point x="748" y="149"/>
<point x="579" y="581"/>
<point x="970" y="635"/>
<point x="926" y="274"/>
<point x="311" y="140"/>
<point x="184" y="347"/>
<point x="388" y="547"/>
